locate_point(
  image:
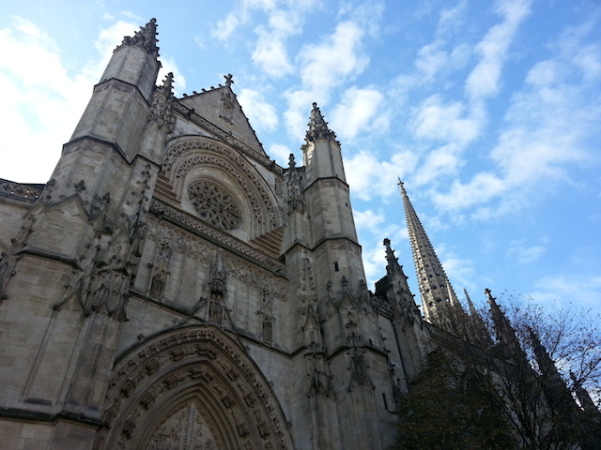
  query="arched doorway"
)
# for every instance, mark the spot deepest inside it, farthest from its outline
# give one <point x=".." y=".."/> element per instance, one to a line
<point x="192" y="388"/>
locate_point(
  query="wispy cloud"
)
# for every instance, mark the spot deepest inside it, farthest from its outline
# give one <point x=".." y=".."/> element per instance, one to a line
<point x="281" y="153"/>
<point x="525" y="255"/>
<point x="336" y="58"/>
<point x="567" y="288"/>
<point x="239" y="16"/>
<point x="259" y="111"/>
<point x="328" y="64"/>
<point x="484" y="79"/>
<point x="546" y="130"/>
<point x="374" y="226"/>
<point x="445" y="122"/>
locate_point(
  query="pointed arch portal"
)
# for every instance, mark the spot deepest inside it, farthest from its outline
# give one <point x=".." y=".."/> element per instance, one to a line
<point x="194" y="387"/>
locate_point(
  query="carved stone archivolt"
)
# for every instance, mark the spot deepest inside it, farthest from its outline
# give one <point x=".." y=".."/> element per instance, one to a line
<point x="191" y="388"/>
<point x="190" y="154"/>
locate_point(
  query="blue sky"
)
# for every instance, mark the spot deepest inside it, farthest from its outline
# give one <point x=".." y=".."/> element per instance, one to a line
<point x="490" y="112"/>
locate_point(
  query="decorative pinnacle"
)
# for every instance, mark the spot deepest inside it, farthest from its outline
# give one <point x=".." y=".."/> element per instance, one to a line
<point x="318" y="127"/>
<point x="392" y="260"/>
<point x="146" y="38"/>
<point x="168" y="84"/>
<point x="228" y="79"/>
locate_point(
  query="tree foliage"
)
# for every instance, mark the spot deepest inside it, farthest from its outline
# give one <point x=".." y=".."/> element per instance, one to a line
<point x="482" y="393"/>
<point x="450" y="407"/>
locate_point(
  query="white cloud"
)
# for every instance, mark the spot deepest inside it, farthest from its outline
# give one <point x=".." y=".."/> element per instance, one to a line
<point x="224" y="28"/>
<point x="369" y="177"/>
<point x="108" y="39"/>
<point x="480" y="189"/>
<point x="437" y="165"/>
<point x="299" y="108"/>
<point x="367" y="15"/>
<point x="484" y="80"/>
<point x="259" y="112"/>
<point x="239" y="16"/>
<point x="338" y="57"/>
<point x="39" y="97"/>
<point x="368" y="220"/>
<point x="280" y="153"/>
<point x="431" y="59"/>
<point x="271" y="53"/>
<point x="179" y="83"/>
<point x="373" y="228"/>
<point x="354" y="113"/>
<point x="436" y="120"/>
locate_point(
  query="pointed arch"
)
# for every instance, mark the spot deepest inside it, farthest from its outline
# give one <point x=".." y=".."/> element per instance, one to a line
<point x="201" y="374"/>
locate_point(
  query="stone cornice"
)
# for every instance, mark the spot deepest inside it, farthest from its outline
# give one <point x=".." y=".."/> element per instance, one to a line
<point x="236" y="246"/>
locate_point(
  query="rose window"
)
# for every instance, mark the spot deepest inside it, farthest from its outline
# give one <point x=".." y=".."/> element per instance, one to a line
<point x="215" y="205"/>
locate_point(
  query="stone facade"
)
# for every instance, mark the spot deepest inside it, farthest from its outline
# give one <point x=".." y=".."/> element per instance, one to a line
<point x="172" y="287"/>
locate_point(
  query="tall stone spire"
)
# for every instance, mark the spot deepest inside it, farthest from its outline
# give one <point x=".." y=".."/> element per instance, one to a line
<point x="438" y="296"/>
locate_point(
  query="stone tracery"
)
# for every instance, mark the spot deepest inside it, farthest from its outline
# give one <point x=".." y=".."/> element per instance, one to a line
<point x="215" y="205"/>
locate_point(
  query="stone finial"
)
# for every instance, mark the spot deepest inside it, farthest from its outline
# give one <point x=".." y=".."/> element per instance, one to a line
<point x="146" y="38"/>
<point x="401" y="185"/>
<point x="228" y="79"/>
<point x="318" y="127"/>
<point x="291" y="162"/>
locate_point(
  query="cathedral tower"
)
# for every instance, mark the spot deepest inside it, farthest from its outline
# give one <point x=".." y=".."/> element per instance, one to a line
<point x="76" y="256"/>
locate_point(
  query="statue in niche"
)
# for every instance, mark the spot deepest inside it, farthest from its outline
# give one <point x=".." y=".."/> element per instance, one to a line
<point x="158" y="284"/>
<point x="216" y="310"/>
<point x="267" y="328"/>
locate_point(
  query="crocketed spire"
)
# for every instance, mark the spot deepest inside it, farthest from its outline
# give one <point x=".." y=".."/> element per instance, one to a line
<point x="318" y="127"/>
<point x="435" y="288"/>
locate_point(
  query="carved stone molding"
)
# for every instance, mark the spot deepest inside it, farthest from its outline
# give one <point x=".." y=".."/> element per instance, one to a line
<point x="197" y="372"/>
<point x="221" y="237"/>
<point x="201" y="250"/>
<point x="29" y="192"/>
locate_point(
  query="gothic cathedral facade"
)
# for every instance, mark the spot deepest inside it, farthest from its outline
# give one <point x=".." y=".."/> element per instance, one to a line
<point x="173" y="287"/>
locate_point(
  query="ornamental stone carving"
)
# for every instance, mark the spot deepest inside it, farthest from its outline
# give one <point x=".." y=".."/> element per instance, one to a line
<point x="210" y="396"/>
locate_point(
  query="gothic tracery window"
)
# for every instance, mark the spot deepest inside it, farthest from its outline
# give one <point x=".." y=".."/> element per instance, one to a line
<point x="215" y="205"/>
